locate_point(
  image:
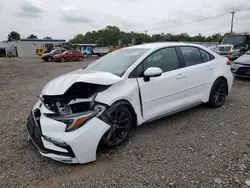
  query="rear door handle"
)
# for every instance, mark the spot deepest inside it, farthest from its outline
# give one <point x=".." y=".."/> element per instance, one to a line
<point x="208" y="68"/>
<point x="179" y="76"/>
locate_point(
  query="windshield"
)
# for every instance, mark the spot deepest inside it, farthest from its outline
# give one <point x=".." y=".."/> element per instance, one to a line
<point x="52" y="51"/>
<point x="117" y="62"/>
<point x="65" y="52"/>
<point x="235" y="40"/>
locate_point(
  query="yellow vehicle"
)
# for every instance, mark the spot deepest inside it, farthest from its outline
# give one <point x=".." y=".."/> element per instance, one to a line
<point x="135" y="41"/>
<point x="66" y="46"/>
<point x="44" y="49"/>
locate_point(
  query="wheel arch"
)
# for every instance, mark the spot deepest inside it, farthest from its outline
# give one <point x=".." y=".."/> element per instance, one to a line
<point x="224" y="79"/>
<point x="130" y="107"/>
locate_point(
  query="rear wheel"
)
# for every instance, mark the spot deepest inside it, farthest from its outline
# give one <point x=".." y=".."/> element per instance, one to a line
<point x="120" y="119"/>
<point x="218" y="93"/>
<point x="49" y="59"/>
<point x="80" y="58"/>
<point x="62" y="59"/>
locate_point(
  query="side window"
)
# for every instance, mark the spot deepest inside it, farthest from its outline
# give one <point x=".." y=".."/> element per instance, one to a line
<point x="137" y="72"/>
<point x="57" y="52"/>
<point x="191" y="55"/>
<point x="166" y="59"/>
<point x="205" y="56"/>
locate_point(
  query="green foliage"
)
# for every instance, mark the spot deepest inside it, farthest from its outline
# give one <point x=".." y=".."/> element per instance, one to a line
<point x="48" y="38"/>
<point x="14" y="36"/>
<point x="32" y="36"/>
<point x="112" y="34"/>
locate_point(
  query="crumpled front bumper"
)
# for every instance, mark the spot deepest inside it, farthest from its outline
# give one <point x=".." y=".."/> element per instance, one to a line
<point x="50" y="138"/>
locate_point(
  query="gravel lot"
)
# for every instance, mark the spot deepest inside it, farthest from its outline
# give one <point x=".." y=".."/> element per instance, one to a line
<point x="200" y="147"/>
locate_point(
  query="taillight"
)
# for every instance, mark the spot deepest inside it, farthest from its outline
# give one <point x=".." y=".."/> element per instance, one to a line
<point x="228" y="62"/>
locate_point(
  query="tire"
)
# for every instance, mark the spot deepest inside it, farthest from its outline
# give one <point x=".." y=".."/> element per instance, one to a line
<point x="80" y="59"/>
<point x="62" y="59"/>
<point x="49" y="59"/>
<point x="218" y="93"/>
<point x="120" y="119"/>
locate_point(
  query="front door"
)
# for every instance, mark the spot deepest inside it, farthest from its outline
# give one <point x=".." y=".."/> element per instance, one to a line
<point x="166" y="93"/>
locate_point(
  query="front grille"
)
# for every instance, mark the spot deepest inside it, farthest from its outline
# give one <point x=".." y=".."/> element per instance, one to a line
<point x="35" y="132"/>
<point x="225" y="48"/>
<point x="34" y="129"/>
<point x="221" y="48"/>
<point x="243" y="71"/>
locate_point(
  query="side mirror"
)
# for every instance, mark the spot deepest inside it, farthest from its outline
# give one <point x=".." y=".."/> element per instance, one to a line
<point x="152" y="72"/>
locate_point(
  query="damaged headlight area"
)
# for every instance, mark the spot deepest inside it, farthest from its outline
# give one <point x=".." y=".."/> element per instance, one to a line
<point x="74" y="121"/>
<point x="76" y="106"/>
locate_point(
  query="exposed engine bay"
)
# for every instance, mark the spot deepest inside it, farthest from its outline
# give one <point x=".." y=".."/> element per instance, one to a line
<point x="77" y="99"/>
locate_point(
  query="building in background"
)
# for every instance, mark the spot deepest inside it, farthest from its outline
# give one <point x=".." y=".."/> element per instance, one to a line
<point x="28" y="47"/>
<point x="7" y="50"/>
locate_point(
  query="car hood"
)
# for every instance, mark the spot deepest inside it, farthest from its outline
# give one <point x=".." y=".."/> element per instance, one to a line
<point x="61" y="84"/>
<point x="244" y="59"/>
<point x="45" y="54"/>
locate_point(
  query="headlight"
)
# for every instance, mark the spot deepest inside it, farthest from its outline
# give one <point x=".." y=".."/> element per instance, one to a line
<point x="235" y="66"/>
<point x="75" y="121"/>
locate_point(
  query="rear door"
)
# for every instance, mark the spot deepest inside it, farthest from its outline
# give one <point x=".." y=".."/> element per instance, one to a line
<point x="199" y="73"/>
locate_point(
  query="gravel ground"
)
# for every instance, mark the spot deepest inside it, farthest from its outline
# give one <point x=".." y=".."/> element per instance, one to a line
<point x="200" y="147"/>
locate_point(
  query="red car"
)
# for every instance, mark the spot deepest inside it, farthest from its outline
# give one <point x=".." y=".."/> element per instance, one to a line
<point x="69" y="56"/>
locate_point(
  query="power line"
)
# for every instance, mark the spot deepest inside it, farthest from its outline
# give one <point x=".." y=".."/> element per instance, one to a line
<point x="198" y="20"/>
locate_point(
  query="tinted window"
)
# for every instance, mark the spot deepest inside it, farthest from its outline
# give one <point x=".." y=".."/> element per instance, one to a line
<point x="205" y="56"/>
<point x="57" y="52"/>
<point x="166" y="59"/>
<point x="137" y="72"/>
<point x="191" y="55"/>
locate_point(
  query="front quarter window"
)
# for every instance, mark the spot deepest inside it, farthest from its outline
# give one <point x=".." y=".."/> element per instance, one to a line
<point x="117" y="62"/>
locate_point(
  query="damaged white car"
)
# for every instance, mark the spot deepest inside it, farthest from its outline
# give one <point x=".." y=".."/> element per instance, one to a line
<point x="101" y="103"/>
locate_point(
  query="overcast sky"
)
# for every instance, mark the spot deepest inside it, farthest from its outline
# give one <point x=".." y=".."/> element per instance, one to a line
<point x="63" y="19"/>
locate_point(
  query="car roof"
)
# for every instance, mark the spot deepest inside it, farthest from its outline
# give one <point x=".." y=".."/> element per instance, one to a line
<point x="165" y="44"/>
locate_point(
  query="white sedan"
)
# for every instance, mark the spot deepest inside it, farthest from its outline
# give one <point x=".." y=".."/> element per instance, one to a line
<point x="101" y="103"/>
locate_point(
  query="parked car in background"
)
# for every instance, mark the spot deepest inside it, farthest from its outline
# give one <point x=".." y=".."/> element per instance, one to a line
<point x="50" y="56"/>
<point x="101" y="103"/>
<point x="241" y="66"/>
<point x="70" y="55"/>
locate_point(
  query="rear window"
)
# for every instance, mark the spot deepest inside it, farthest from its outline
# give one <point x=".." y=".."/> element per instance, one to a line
<point x="191" y="55"/>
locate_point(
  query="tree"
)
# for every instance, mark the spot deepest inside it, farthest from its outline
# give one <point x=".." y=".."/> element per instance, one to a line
<point x="32" y="36"/>
<point x="49" y="38"/>
<point x="112" y="34"/>
<point x="80" y="38"/>
<point x="14" y="36"/>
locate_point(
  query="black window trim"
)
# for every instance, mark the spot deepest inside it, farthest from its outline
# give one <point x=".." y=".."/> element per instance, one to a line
<point x="179" y="60"/>
<point x="211" y="57"/>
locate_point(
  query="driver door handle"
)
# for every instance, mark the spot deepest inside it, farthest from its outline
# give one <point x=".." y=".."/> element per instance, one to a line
<point x="179" y="76"/>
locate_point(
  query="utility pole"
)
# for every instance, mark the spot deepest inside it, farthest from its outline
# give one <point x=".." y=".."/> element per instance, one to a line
<point x="232" y="21"/>
<point x="146" y="32"/>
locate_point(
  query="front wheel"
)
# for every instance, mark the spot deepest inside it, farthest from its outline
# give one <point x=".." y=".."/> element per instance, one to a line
<point x="49" y="59"/>
<point x="80" y="58"/>
<point x="62" y="60"/>
<point x="218" y="93"/>
<point x="120" y="119"/>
